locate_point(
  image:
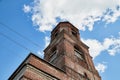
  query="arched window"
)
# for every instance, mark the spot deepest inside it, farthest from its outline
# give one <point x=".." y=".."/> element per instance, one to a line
<point x="56" y="34"/>
<point x="53" y="55"/>
<point x="74" y="33"/>
<point x="78" y="53"/>
<point x="86" y="77"/>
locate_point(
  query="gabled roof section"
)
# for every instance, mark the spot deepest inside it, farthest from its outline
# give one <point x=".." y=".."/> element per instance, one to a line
<point x="28" y="61"/>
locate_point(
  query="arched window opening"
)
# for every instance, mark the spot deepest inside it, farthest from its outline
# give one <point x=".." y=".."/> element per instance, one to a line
<point x="74" y="33"/>
<point x="85" y="75"/>
<point x="78" y="53"/>
<point x="56" y="34"/>
<point x="53" y="55"/>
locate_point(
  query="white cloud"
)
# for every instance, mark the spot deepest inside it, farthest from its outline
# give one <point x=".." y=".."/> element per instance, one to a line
<point x="95" y="47"/>
<point x="112" y="15"/>
<point x="26" y="8"/>
<point x="41" y="54"/>
<point x="111" y="45"/>
<point x="101" y="67"/>
<point x="47" y="41"/>
<point x="81" y="13"/>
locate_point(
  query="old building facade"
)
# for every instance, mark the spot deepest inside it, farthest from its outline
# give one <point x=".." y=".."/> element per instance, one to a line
<point x="65" y="58"/>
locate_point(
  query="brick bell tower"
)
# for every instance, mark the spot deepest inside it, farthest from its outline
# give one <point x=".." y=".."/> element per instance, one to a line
<point x="67" y="52"/>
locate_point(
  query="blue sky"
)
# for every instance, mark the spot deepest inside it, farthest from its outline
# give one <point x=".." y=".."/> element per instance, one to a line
<point x="25" y="23"/>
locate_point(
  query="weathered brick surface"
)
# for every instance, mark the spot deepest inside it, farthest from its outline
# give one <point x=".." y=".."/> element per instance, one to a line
<point x="47" y="68"/>
<point x="66" y="65"/>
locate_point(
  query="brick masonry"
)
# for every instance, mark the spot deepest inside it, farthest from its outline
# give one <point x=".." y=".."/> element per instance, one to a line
<point x="60" y="61"/>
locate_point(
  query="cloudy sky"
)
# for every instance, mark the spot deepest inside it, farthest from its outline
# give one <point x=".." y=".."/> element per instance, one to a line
<point x="25" y="27"/>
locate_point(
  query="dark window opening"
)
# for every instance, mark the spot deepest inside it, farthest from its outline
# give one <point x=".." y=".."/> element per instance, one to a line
<point x="74" y="33"/>
<point x="56" y="34"/>
<point x="53" y="56"/>
<point x="78" y="53"/>
<point x="85" y="75"/>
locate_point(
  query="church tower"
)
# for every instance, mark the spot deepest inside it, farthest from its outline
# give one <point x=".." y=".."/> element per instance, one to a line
<point x="69" y="53"/>
<point x="65" y="58"/>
